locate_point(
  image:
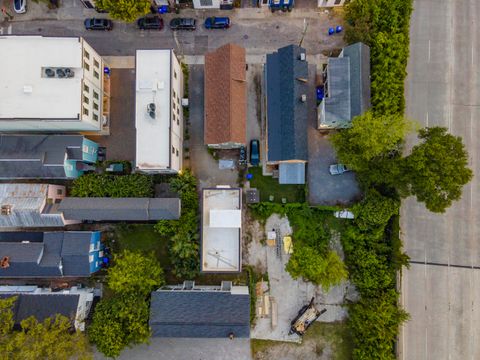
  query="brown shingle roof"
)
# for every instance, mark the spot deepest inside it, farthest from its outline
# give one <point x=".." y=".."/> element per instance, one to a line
<point x="225" y="95"/>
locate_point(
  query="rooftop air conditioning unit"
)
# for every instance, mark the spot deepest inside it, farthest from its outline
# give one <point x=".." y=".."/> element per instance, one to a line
<point x="49" y="72"/>
<point x="61" y="73"/>
<point x="151" y="110"/>
<point x="69" y="73"/>
<point x="303" y="98"/>
<point x="303" y="56"/>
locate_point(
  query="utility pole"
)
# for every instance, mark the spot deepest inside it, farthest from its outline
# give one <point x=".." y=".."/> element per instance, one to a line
<point x="305" y="27"/>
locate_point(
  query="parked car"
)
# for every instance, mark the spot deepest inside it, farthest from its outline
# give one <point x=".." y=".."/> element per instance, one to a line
<point x="254" y="152"/>
<point x="243" y="156"/>
<point x="98" y="24"/>
<point x="183" y="24"/>
<point x="150" y="23"/>
<point x="337" y="169"/>
<point x="214" y="22"/>
<point x="20" y="6"/>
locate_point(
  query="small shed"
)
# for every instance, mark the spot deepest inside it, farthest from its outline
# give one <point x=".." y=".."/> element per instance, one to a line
<point x="291" y="173"/>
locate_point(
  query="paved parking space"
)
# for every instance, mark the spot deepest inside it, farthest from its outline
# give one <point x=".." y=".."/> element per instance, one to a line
<point x="187" y="349"/>
<point x="120" y="143"/>
<point x="323" y="188"/>
<point x="441" y="289"/>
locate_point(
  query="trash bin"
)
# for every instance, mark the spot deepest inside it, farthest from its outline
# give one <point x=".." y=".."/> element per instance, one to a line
<point x="338" y="29"/>
<point x="331" y="31"/>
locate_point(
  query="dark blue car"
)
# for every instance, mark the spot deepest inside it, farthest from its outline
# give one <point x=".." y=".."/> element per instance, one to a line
<point x="254" y="152"/>
<point x="217" y="22"/>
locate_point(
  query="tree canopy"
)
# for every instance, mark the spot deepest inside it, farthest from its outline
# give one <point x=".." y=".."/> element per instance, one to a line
<point x="119" y="322"/>
<point x="125" y="10"/>
<point x="371" y="138"/>
<point x="325" y="269"/>
<point x="122" y="319"/>
<point x="436" y="170"/>
<point x="50" y="339"/>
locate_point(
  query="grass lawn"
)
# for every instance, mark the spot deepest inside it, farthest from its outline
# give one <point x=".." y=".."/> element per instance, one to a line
<point x="320" y="340"/>
<point x="267" y="186"/>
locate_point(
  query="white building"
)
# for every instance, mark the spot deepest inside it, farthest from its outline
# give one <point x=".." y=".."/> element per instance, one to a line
<point x="331" y="3"/>
<point x="52" y="84"/>
<point x="221" y="230"/>
<point x="213" y="4"/>
<point x="158" y="111"/>
<point x="74" y="303"/>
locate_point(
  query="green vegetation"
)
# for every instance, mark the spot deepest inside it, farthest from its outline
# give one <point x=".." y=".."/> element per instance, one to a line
<point x="436" y="170"/>
<point x="183" y="233"/>
<point x="122" y="319"/>
<point x="268" y="186"/>
<point x="104" y="185"/>
<point x="373" y="256"/>
<point x="384" y="26"/>
<point x="319" y="336"/>
<point x="50" y="339"/>
<point x="125" y="10"/>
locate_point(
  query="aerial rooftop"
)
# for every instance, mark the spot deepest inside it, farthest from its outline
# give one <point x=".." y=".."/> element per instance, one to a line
<point x="25" y="91"/>
<point x="221" y="230"/>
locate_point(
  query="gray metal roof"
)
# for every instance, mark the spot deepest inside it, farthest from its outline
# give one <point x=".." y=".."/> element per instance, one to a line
<point x="37" y="156"/>
<point x="199" y="314"/>
<point x="348" y="78"/>
<point x="59" y="254"/>
<point x="120" y="209"/>
<point x="27" y="201"/>
<point x="42" y="306"/>
<point x="291" y="173"/>
<point x="286" y="113"/>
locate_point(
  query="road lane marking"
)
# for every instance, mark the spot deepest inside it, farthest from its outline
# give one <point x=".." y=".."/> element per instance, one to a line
<point x="429" y="50"/>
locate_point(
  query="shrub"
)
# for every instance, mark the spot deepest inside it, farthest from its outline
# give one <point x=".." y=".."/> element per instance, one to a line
<point x="104" y="185"/>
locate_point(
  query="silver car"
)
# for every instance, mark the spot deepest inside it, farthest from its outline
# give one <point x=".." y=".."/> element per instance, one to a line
<point x="337" y="169"/>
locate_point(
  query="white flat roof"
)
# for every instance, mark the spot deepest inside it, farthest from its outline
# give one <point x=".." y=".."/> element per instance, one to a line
<point x="153" y="69"/>
<point x="24" y="90"/>
<point x="221" y="245"/>
<point x="225" y="218"/>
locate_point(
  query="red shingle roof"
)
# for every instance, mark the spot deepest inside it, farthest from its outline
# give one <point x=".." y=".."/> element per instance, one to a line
<point x="225" y="95"/>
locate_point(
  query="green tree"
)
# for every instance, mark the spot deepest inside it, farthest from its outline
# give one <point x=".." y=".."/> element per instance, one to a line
<point x="119" y="322"/>
<point x="436" y="170"/>
<point x="375" y="323"/>
<point x="184" y="254"/>
<point x="374" y="210"/>
<point x="371" y="138"/>
<point x="50" y="339"/>
<point x="125" y="10"/>
<point x="326" y="269"/>
<point x="135" y="273"/>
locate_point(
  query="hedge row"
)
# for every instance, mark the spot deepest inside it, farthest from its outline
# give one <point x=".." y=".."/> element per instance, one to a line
<point x="103" y="185"/>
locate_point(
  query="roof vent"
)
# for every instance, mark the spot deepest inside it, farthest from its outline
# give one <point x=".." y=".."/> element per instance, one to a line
<point x="303" y="98"/>
<point x="6" y="209"/>
<point x="151" y="110"/>
<point x="49" y="72"/>
<point x="5" y="262"/>
<point x="303" y="56"/>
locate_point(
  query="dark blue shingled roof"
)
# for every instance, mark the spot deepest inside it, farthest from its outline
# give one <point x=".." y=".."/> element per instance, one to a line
<point x="199" y="314"/>
<point x="286" y="113"/>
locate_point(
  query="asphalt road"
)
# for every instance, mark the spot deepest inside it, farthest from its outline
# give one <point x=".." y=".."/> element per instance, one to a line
<point x="441" y="291"/>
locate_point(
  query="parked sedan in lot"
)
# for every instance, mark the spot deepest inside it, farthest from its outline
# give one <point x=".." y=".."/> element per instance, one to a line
<point x="98" y="24"/>
<point x="183" y="24"/>
<point x="214" y="22"/>
<point x="337" y="169"/>
<point x="150" y="23"/>
<point x="20" y="6"/>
